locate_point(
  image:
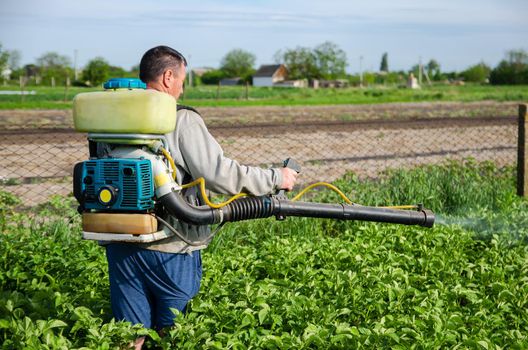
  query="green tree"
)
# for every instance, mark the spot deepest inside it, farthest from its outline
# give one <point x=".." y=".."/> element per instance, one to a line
<point x="301" y="63"/>
<point x="384" y="66"/>
<point x="14" y="59"/>
<point x="325" y="61"/>
<point x="96" y="71"/>
<point x="477" y="73"/>
<point x="213" y="77"/>
<point x="238" y="63"/>
<point x="134" y="71"/>
<point x="512" y="70"/>
<point x="54" y="65"/>
<point x="330" y="60"/>
<point x="53" y="59"/>
<point x="4" y="58"/>
<point x="433" y="69"/>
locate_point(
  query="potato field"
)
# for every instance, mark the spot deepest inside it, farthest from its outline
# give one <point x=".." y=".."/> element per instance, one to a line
<point x="299" y="283"/>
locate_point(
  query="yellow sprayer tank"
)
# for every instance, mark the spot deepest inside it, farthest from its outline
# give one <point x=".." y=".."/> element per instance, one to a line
<point x="125" y="107"/>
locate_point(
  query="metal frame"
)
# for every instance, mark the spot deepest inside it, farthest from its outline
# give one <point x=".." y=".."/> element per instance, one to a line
<point x="95" y="136"/>
<point x="125" y="237"/>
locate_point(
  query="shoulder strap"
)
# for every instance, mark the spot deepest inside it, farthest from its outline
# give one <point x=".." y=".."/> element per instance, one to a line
<point x="189" y="108"/>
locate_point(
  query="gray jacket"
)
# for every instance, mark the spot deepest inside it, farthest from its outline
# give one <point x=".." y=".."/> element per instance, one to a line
<point x="197" y="154"/>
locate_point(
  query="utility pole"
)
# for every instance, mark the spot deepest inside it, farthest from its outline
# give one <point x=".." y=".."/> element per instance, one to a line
<point x="360" y="71"/>
<point x="190" y="72"/>
<point x="75" y="75"/>
<point x="420" y="68"/>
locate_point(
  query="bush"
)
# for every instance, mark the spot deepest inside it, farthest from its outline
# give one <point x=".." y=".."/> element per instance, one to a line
<point x="213" y="77"/>
<point x="512" y="71"/>
<point x="479" y="73"/>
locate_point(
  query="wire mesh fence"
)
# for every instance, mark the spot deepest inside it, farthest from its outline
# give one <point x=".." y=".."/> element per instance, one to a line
<point x="36" y="163"/>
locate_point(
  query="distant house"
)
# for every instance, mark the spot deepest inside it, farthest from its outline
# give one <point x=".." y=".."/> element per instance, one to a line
<point x="230" y="81"/>
<point x="201" y="71"/>
<point x="269" y="75"/>
<point x="6" y="73"/>
<point x="336" y="83"/>
<point x="300" y="83"/>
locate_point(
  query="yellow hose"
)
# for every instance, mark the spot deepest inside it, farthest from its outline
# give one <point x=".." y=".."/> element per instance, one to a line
<point x="201" y="181"/>
<point x="325" y="184"/>
<point x="171" y="161"/>
<point x="401" y="207"/>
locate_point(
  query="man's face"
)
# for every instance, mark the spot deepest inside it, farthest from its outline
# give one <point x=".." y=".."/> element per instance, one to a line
<point x="175" y="81"/>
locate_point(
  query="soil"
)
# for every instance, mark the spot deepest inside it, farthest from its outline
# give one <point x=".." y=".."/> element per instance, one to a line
<point x="37" y="161"/>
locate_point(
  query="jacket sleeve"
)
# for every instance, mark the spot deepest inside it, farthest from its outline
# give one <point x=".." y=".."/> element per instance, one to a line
<point x="204" y="157"/>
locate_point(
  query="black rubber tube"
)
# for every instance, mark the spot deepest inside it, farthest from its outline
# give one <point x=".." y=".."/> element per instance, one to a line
<point x="248" y="208"/>
<point x="178" y="207"/>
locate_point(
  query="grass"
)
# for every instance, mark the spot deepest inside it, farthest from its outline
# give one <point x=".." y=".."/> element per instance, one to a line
<point x="301" y="283"/>
<point x="54" y="98"/>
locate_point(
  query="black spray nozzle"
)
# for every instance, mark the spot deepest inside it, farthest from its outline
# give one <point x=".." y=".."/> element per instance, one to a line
<point x="249" y="208"/>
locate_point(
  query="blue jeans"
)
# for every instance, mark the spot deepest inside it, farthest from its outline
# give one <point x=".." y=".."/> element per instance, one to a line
<point x="146" y="284"/>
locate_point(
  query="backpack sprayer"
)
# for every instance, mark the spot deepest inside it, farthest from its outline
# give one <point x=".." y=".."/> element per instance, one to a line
<point x="127" y="194"/>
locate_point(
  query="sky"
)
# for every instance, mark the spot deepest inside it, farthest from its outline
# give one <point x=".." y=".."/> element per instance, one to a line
<point x="456" y="33"/>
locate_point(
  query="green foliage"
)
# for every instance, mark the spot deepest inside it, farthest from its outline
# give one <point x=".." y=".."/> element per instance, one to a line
<point x="97" y="71"/>
<point x="213" y="77"/>
<point x="331" y="60"/>
<point x="54" y="66"/>
<point x="433" y="69"/>
<point x="4" y="57"/>
<point x="206" y="95"/>
<point x="53" y="59"/>
<point x="302" y="283"/>
<point x="301" y="63"/>
<point x="238" y="63"/>
<point x="478" y="73"/>
<point x="325" y="61"/>
<point x="512" y="70"/>
<point x="14" y="59"/>
<point x="8" y="202"/>
<point x="384" y="65"/>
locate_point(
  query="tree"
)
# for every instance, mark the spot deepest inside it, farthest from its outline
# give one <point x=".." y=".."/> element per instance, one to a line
<point x="54" y="65"/>
<point x="433" y="69"/>
<point x="330" y="60"/>
<point x="512" y="70"/>
<point x="477" y="73"/>
<point x="238" y="63"/>
<point x="14" y="59"/>
<point x="118" y="72"/>
<point x="384" y="66"/>
<point x="325" y="61"/>
<point x="4" y="58"/>
<point x="96" y="71"/>
<point x="213" y="77"/>
<point x="53" y="59"/>
<point x="301" y="63"/>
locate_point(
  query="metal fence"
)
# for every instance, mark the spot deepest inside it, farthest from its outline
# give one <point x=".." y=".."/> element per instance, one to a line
<point x="36" y="163"/>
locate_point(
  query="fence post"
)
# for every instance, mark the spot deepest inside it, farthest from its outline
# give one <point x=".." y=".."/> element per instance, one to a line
<point x="247" y="90"/>
<point x="522" y="152"/>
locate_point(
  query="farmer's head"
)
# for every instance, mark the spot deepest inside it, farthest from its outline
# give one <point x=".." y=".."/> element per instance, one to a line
<point x="163" y="68"/>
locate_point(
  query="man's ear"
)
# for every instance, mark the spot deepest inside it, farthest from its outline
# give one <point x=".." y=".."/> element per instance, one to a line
<point x="167" y="77"/>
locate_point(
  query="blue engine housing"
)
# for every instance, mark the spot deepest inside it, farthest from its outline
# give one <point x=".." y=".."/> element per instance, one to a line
<point x="114" y="184"/>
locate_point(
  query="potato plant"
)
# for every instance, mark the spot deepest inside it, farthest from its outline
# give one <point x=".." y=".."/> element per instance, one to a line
<point x="302" y="283"/>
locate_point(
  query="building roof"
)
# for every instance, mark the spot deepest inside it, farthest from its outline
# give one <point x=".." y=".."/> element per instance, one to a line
<point x="267" y="70"/>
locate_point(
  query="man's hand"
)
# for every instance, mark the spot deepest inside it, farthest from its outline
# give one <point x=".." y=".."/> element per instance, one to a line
<point x="289" y="176"/>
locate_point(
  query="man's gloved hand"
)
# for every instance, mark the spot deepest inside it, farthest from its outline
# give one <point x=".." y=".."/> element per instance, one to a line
<point x="289" y="176"/>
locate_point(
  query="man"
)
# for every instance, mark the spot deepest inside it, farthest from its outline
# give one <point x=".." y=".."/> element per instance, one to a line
<point x="147" y="280"/>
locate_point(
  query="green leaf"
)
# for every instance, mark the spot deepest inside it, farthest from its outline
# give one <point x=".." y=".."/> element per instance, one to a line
<point x="262" y="315"/>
